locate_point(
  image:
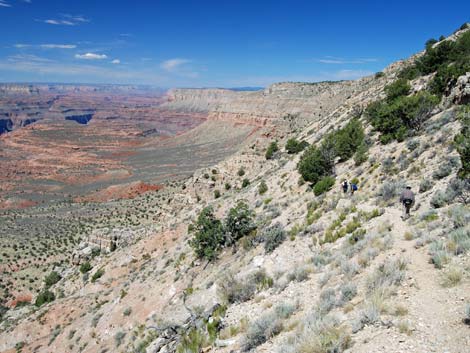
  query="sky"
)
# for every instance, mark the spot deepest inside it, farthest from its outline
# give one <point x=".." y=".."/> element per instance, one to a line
<point x="208" y="43"/>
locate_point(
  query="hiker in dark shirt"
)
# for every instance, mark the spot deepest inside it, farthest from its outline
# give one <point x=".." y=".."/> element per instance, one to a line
<point x="345" y="186"/>
<point x="407" y="198"/>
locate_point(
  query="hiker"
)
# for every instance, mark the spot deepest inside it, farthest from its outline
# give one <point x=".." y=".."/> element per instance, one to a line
<point x="353" y="188"/>
<point x="345" y="186"/>
<point x="407" y="198"/>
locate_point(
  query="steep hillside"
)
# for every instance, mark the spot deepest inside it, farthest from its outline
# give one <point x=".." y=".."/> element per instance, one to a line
<point x="264" y="251"/>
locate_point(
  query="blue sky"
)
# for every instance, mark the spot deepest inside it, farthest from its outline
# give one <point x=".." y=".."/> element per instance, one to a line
<point x="213" y="43"/>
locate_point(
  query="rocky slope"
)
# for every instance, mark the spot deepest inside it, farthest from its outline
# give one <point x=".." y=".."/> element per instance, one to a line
<point x="348" y="273"/>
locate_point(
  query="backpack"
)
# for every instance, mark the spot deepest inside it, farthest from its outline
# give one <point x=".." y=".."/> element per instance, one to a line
<point x="407" y="202"/>
<point x="354" y="187"/>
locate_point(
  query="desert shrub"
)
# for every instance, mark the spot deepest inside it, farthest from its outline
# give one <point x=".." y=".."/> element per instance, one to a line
<point x="241" y="171"/>
<point x="462" y="142"/>
<point x="348" y="292"/>
<point x="460" y="216"/>
<point x="192" y="342"/>
<point x="439" y="199"/>
<point x="391" y="189"/>
<point x="300" y="274"/>
<point x="399" y="88"/>
<point x="401" y="117"/>
<point x="97" y="275"/>
<point x="216" y="194"/>
<point x="320" y="334"/>
<point x="233" y="290"/>
<point x="264" y="328"/>
<point x="324" y="185"/>
<point x="327" y="301"/>
<point x="285" y="310"/>
<point x="314" y="165"/>
<point x="245" y="183"/>
<point x="460" y="238"/>
<point x="118" y="338"/>
<point x="208" y="235"/>
<point x="85" y="267"/>
<point x="368" y="315"/>
<point x="273" y="236"/>
<point x="262" y="187"/>
<point x="451" y="277"/>
<point x="379" y="74"/>
<point x="52" y="278"/>
<point x="44" y="297"/>
<point x="272" y="148"/>
<point x="295" y="146"/>
<point x="445" y="169"/>
<point x="361" y="154"/>
<point x="412" y="144"/>
<point x="227" y="186"/>
<point x="388" y="274"/>
<point x="425" y="185"/>
<point x="439" y="254"/>
<point x="239" y="222"/>
<point x="347" y="139"/>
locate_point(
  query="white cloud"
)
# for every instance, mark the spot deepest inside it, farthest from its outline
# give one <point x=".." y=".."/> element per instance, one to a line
<point x="91" y="56"/>
<point x="116" y="61"/>
<point x="58" y="46"/>
<point x="4" y="4"/>
<point x="339" y="61"/>
<point x="173" y="64"/>
<point x="21" y="46"/>
<point x="66" y="20"/>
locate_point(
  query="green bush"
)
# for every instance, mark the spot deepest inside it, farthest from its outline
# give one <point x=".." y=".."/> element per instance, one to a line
<point x="245" y="183"/>
<point x="52" y="278"/>
<point x="208" y="235"/>
<point x="348" y="139"/>
<point x="97" y="275"/>
<point x="462" y="142"/>
<point x="323" y="185"/>
<point x="402" y="117"/>
<point x="227" y="186"/>
<point x="273" y="236"/>
<point x="449" y="59"/>
<point x="317" y="163"/>
<point x="216" y="194"/>
<point x="241" y="171"/>
<point x="85" y="267"/>
<point x="295" y="146"/>
<point x="399" y="88"/>
<point x="239" y="223"/>
<point x="272" y="148"/>
<point x="262" y="187"/>
<point x="44" y="297"/>
<point x="314" y="165"/>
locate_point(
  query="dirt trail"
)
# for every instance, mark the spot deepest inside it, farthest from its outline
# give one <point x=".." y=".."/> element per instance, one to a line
<point x="434" y="313"/>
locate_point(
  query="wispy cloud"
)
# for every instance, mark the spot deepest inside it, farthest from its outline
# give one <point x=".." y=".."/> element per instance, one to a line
<point x="21" y="46"/>
<point x="115" y="61"/>
<point x="173" y="65"/>
<point x="28" y="58"/>
<point x="179" y="67"/>
<point x="66" y="20"/>
<point x="45" y="46"/>
<point x="3" y="3"/>
<point x="58" y="46"/>
<point x="91" y="56"/>
<point x="339" y="61"/>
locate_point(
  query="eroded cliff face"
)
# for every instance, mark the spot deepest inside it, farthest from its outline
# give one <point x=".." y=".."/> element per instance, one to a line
<point x="306" y="101"/>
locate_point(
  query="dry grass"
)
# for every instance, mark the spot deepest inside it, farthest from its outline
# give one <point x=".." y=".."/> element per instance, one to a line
<point x="451" y="277"/>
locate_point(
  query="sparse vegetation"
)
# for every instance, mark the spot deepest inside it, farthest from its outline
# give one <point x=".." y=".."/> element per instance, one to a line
<point x="294" y="146"/>
<point x="272" y="149"/>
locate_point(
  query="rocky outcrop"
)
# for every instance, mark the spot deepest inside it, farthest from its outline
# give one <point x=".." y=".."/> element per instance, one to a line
<point x="460" y="94"/>
<point x="306" y="101"/>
